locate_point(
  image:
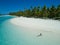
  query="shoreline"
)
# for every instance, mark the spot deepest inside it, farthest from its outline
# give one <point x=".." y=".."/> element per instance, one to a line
<point x="38" y="24"/>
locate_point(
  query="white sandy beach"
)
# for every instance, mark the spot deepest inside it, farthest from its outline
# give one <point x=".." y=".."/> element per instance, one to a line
<point x="37" y="24"/>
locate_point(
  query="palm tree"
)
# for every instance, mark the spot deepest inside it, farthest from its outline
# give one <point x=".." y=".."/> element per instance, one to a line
<point x="44" y="12"/>
<point x="58" y="11"/>
<point x="52" y="12"/>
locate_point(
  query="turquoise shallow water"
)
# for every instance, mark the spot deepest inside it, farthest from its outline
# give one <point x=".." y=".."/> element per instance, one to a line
<point x="11" y="34"/>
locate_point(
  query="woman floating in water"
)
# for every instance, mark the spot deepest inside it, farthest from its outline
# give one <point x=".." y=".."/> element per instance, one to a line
<point x="39" y="35"/>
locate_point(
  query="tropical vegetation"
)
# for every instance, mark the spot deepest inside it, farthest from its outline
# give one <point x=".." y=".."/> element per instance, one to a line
<point x="38" y="12"/>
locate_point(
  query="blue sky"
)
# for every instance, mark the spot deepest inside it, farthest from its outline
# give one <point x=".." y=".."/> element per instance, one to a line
<point x="7" y="6"/>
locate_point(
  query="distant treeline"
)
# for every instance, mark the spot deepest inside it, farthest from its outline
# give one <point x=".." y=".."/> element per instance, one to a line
<point x="37" y="12"/>
<point x="0" y="14"/>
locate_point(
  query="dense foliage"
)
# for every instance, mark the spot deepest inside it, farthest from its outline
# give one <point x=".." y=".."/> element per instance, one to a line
<point x="37" y="12"/>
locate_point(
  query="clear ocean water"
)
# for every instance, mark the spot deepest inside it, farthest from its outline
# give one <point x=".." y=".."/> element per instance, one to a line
<point x="11" y="34"/>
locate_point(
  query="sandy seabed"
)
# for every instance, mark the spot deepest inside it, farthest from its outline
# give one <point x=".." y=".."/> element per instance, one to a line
<point x="30" y="31"/>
